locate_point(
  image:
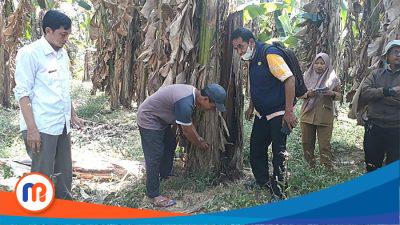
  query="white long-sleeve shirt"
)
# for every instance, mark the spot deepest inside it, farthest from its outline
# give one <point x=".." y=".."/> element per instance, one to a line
<point x="43" y="75"/>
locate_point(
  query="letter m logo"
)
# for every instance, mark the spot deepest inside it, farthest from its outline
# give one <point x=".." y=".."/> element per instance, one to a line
<point x="34" y="187"/>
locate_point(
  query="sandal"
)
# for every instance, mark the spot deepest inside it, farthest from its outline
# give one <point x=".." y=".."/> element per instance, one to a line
<point x="163" y="202"/>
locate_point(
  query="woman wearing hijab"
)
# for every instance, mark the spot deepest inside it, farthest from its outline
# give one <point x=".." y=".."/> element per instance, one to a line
<point x="318" y="110"/>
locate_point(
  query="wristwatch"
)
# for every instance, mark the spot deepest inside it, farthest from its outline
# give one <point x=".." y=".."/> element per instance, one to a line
<point x="389" y="92"/>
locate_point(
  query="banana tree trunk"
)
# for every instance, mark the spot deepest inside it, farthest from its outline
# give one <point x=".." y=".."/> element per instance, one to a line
<point x="115" y="28"/>
<point x="232" y="81"/>
<point x="222" y="132"/>
<point x="208" y="123"/>
<point x="2" y="62"/>
<point x="370" y="17"/>
<point x="333" y="30"/>
<point x="131" y="44"/>
<point x="6" y="8"/>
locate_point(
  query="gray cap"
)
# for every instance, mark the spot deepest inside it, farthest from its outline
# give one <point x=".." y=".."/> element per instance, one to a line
<point x="391" y="45"/>
<point x="217" y="94"/>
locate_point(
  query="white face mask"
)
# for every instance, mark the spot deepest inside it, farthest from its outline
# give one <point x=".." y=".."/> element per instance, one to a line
<point x="249" y="53"/>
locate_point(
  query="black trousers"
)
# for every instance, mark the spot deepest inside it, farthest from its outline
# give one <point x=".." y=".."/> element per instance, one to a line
<point x="378" y="143"/>
<point x="159" y="149"/>
<point x="264" y="133"/>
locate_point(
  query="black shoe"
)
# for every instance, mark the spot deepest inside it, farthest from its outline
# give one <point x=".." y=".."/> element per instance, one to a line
<point x="277" y="190"/>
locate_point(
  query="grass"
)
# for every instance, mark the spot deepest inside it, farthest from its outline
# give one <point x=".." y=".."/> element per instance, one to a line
<point x="89" y="107"/>
<point x="115" y="134"/>
<point x="236" y="197"/>
<point x="9" y="131"/>
<point x="93" y="108"/>
<point x="348" y="156"/>
<point x="115" y="131"/>
<point x="347" y="152"/>
<point x="6" y="172"/>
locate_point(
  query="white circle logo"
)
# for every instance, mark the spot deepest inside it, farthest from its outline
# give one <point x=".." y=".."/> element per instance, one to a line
<point x="34" y="192"/>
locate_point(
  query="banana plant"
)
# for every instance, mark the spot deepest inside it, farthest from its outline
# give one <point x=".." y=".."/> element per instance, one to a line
<point x="81" y="3"/>
<point x="283" y="15"/>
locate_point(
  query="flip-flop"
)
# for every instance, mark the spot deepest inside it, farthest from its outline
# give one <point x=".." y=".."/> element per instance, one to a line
<point x="164" y="202"/>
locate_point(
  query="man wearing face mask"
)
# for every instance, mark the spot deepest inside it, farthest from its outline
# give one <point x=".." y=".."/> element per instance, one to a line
<point x="272" y="90"/>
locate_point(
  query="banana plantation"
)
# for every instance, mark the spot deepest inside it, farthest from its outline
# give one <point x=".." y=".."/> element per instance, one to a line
<point x="125" y="50"/>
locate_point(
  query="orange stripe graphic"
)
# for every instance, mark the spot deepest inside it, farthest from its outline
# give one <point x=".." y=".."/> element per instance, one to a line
<point x="70" y="209"/>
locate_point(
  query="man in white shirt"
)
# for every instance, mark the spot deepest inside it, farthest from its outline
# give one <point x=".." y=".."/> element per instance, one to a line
<point x="42" y="89"/>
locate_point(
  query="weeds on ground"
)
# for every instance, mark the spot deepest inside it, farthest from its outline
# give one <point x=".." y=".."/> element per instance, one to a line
<point x="346" y="148"/>
<point x="9" y="130"/>
<point x="110" y="132"/>
<point x="6" y="171"/>
<point x="89" y="107"/>
<point x="199" y="193"/>
<point x="118" y="136"/>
